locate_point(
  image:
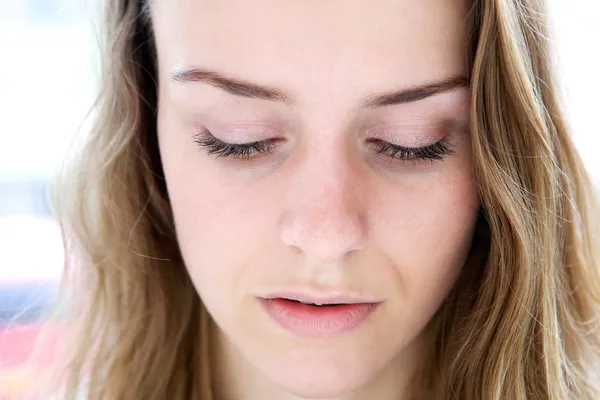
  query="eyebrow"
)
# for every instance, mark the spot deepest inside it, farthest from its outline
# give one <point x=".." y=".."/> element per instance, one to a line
<point x="242" y="88"/>
<point x="417" y="93"/>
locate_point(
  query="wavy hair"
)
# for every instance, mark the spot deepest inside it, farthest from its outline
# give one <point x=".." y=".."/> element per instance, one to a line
<point x="520" y="323"/>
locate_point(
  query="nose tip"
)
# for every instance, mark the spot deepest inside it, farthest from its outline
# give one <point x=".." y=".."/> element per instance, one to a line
<point x="325" y="236"/>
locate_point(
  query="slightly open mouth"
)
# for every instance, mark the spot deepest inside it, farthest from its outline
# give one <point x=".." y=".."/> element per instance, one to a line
<point x="312" y="304"/>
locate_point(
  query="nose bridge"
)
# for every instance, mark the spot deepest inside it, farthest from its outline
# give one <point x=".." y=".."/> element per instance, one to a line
<point x="324" y="215"/>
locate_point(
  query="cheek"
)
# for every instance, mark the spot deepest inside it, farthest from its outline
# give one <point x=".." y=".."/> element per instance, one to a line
<point x="427" y="233"/>
<point x="221" y="226"/>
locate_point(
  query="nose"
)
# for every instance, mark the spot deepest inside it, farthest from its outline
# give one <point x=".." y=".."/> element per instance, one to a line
<point x="324" y="214"/>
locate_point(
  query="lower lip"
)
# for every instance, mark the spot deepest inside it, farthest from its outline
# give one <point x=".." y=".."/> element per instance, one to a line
<point x="317" y="321"/>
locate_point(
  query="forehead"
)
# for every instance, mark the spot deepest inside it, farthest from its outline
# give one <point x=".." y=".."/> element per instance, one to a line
<point x="338" y="45"/>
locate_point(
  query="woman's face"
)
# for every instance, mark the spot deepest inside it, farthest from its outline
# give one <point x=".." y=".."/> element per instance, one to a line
<point x="318" y="151"/>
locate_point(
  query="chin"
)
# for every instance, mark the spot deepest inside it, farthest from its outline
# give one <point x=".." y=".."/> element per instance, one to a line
<point x="320" y="377"/>
<point x="321" y="387"/>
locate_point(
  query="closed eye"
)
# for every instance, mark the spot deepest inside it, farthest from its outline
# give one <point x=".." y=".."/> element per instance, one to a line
<point x="433" y="152"/>
<point x="221" y="149"/>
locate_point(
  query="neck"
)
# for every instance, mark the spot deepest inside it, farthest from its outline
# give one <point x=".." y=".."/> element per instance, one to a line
<point x="235" y="378"/>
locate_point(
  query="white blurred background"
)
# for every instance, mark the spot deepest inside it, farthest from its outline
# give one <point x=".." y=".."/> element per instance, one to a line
<point x="47" y="82"/>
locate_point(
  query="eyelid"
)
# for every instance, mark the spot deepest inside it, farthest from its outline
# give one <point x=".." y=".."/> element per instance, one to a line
<point x="242" y="135"/>
<point x="243" y="131"/>
<point x="411" y="134"/>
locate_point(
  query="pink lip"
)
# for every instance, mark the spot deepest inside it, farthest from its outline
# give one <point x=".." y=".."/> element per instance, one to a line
<point x="320" y="322"/>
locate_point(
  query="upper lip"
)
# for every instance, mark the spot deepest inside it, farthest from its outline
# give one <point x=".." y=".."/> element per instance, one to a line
<point x="320" y="298"/>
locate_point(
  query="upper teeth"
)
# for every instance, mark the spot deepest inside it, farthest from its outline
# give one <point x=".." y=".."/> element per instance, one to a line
<point x="311" y="304"/>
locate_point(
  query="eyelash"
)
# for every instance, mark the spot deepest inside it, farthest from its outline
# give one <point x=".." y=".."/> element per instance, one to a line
<point x="433" y="152"/>
<point x="220" y="149"/>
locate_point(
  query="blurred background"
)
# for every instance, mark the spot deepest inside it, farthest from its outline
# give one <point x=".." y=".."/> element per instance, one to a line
<point x="47" y="82"/>
<point x="48" y="70"/>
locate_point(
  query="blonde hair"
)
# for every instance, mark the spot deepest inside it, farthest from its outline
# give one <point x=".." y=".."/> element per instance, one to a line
<point x="520" y="322"/>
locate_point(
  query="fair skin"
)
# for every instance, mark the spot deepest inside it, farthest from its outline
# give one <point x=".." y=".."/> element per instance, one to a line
<point x="324" y="211"/>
